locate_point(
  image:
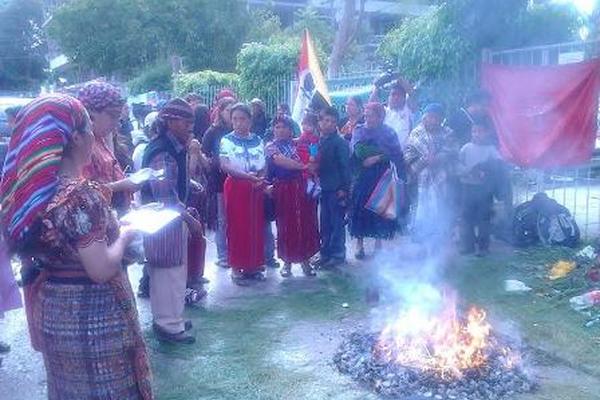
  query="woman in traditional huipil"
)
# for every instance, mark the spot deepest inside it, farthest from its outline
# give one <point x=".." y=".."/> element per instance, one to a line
<point x="375" y="148"/>
<point x="295" y="210"/>
<point x="242" y="157"/>
<point x="81" y="310"/>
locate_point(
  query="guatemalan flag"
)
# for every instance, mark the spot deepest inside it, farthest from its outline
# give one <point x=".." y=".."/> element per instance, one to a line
<point x="312" y="89"/>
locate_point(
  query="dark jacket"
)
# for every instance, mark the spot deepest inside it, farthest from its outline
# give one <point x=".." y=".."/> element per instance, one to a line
<point x="158" y="145"/>
<point x="334" y="163"/>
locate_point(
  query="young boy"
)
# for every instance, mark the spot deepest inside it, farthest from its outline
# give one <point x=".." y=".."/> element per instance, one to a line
<point x="334" y="174"/>
<point x="478" y="159"/>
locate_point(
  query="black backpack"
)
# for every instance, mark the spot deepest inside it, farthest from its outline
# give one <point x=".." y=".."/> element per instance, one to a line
<point x="524" y="226"/>
<point x="543" y="219"/>
<point x="556" y="225"/>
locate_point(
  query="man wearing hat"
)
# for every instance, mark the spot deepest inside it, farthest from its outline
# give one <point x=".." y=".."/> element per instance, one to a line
<point x="431" y="158"/>
<point x="166" y="250"/>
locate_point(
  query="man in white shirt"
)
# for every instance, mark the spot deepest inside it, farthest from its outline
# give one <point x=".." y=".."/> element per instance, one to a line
<point x="399" y="110"/>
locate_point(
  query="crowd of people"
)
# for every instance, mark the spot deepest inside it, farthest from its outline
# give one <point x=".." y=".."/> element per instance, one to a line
<point x="267" y="188"/>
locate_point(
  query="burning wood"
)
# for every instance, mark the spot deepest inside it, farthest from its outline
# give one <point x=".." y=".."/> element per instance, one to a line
<point x="435" y="354"/>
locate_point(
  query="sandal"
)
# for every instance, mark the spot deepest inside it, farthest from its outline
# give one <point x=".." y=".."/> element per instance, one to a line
<point x="286" y="271"/>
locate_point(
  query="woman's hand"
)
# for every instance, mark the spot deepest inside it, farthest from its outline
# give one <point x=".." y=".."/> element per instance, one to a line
<point x="370" y="161"/>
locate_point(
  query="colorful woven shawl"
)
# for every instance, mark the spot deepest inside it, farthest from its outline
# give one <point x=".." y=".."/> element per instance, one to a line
<point x="30" y="175"/>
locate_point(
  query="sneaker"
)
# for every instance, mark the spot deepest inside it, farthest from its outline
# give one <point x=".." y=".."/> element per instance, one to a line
<point x="286" y="271"/>
<point x="222" y="264"/>
<point x="308" y="270"/>
<point x="193" y="296"/>
<point x="174" y="338"/>
<point x="273" y="264"/>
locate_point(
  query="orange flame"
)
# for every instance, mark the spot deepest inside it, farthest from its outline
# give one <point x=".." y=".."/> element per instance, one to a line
<point x="441" y="344"/>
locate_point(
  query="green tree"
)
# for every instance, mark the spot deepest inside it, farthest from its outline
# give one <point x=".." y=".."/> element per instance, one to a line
<point x="206" y="33"/>
<point x="123" y="36"/>
<point x="265" y="27"/>
<point x="440" y="49"/>
<point x="155" y="78"/>
<point x="264" y="68"/>
<point x="22" y="45"/>
<point x="107" y="36"/>
<point x="201" y="82"/>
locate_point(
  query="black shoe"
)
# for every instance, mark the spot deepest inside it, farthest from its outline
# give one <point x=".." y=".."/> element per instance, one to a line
<point x="144" y="288"/>
<point x="4" y="348"/>
<point x="174" y="338"/>
<point x="360" y="254"/>
<point x="188" y="325"/>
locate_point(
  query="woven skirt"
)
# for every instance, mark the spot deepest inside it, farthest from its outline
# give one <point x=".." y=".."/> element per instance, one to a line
<point x="91" y="342"/>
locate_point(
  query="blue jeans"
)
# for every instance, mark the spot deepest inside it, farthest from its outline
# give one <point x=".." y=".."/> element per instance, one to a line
<point x="333" y="229"/>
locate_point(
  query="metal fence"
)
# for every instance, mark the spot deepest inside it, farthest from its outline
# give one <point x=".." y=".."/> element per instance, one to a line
<point x="286" y="88"/>
<point x="577" y="188"/>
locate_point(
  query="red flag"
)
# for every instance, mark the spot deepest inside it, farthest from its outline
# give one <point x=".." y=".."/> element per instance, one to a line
<point x="545" y="116"/>
<point x="312" y="88"/>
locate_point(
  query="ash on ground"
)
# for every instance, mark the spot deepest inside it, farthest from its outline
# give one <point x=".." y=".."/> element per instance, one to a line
<point x="355" y="357"/>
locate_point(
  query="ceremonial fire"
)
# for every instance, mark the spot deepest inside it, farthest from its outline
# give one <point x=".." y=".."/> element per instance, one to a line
<point x="430" y="349"/>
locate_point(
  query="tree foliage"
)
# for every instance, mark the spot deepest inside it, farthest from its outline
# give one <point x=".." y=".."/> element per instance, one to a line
<point x="120" y="36"/>
<point x="266" y="27"/>
<point x="441" y="48"/>
<point x="22" y="45"/>
<point x="106" y="36"/>
<point x="199" y="82"/>
<point x="261" y="67"/>
<point x="156" y="78"/>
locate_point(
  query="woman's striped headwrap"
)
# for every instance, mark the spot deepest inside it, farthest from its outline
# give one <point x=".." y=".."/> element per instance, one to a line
<point x="30" y="175"/>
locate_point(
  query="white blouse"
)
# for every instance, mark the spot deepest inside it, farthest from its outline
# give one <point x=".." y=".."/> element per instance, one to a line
<point x="244" y="154"/>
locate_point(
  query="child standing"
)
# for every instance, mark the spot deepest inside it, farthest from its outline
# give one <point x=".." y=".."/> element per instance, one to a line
<point x="334" y="175"/>
<point x="477" y="161"/>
